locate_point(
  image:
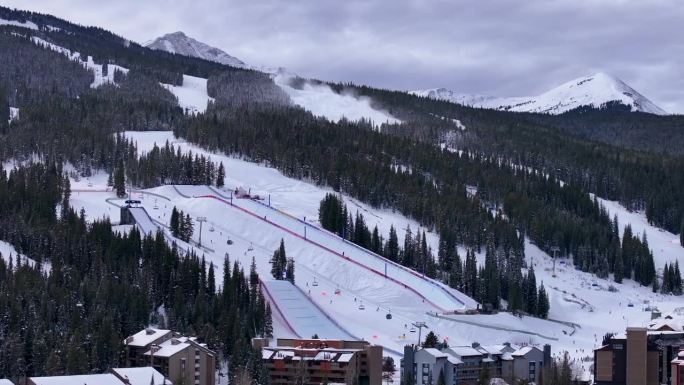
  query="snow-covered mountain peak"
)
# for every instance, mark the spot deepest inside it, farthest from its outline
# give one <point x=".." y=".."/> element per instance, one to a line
<point x="179" y="43"/>
<point x="595" y="91"/>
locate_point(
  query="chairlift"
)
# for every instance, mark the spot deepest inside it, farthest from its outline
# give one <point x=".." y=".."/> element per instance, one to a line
<point x="250" y="248"/>
<point x="155" y="207"/>
<point x="211" y="229"/>
<point x="315" y="283"/>
<point x="361" y="307"/>
<point x="389" y="316"/>
<point x="90" y="184"/>
<point x="338" y="291"/>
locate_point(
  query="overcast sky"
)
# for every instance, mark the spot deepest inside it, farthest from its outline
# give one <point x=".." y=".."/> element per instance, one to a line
<point x="493" y="47"/>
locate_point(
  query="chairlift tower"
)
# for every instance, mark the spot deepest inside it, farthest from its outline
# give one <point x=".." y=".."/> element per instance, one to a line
<point x="420" y="325"/>
<point x="554" y="249"/>
<point x="201" y="220"/>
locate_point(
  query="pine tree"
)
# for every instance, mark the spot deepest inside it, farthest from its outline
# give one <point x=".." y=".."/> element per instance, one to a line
<point x="618" y="269"/>
<point x="392" y="246"/>
<point x="220" y="176"/>
<point x="268" y="322"/>
<point x="376" y="244"/>
<point x="290" y="271"/>
<point x="531" y="292"/>
<point x="456" y="275"/>
<point x="174" y="222"/>
<point x="279" y="262"/>
<point x="211" y="280"/>
<point x="543" y="305"/>
<point x="408" y="257"/>
<point x="431" y="340"/>
<point x="120" y="180"/>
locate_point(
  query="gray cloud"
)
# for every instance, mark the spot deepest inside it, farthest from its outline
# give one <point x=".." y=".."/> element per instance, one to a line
<point x="502" y="47"/>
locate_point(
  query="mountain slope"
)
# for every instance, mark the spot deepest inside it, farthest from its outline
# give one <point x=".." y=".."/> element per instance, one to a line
<point x="591" y="91"/>
<point x="181" y="44"/>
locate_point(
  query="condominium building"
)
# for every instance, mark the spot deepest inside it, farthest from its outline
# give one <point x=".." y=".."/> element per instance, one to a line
<point x="116" y="376"/>
<point x="463" y="365"/>
<point x="639" y="357"/>
<point x="179" y="358"/>
<point x="315" y="361"/>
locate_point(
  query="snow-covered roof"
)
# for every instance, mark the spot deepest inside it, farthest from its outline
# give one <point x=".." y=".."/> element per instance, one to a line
<point x="169" y="348"/>
<point x="435" y="352"/>
<point x="454" y="360"/>
<point x="141" y="376"/>
<point x="345" y="357"/>
<point x="507" y="356"/>
<point x="146" y="337"/>
<point x="4" y="381"/>
<point x="464" y="351"/>
<point x="87" y="379"/>
<point x="668" y="321"/>
<point x="522" y="351"/>
<point x="493" y="349"/>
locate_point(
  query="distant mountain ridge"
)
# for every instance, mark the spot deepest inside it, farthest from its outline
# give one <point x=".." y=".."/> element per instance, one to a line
<point x="592" y="91"/>
<point x="180" y="43"/>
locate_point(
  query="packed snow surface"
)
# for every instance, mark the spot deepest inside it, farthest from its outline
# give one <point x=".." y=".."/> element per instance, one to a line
<point x="181" y="44"/>
<point x="192" y="95"/>
<point x="303" y="314"/>
<point x="321" y="100"/>
<point x="594" y="91"/>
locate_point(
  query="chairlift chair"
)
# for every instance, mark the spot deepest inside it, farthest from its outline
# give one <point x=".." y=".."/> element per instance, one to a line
<point x="389" y="316"/>
<point x="315" y="283"/>
<point x="361" y="307"/>
<point x="211" y="229"/>
<point x="413" y="329"/>
<point x="338" y="291"/>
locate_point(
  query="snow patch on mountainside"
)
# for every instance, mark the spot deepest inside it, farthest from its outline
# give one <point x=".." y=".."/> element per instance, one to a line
<point x="594" y="91"/>
<point x="321" y="100"/>
<point x="13" y="114"/>
<point x="664" y="244"/>
<point x="181" y="44"/>
<point x="15" y="23"/>
<point x="192" y="95"/>
<point x="9" y="253"/>
<point x="99" y="77"/>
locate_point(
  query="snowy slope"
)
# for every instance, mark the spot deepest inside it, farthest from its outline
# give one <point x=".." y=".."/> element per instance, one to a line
<point x="15" y="23"/>
<point x="664" y="244"/>
<point x="99" y="77"/>
<point x="594" y="91"/>
<point x="8" y="252"/>
<point x="181" y="44"/>
<point x="582" y="301"/>
<point x="297" y="197"/>
<point x="321" y="100"/>
<point x="192" y="95"/>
